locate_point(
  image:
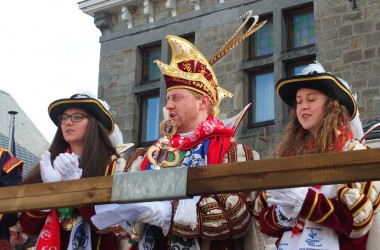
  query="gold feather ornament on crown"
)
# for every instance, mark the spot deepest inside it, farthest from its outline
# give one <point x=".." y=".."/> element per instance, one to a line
<point x="234" y="41"/>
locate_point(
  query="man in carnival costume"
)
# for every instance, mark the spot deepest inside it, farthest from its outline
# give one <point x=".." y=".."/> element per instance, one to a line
<point x="11" y="175"/>
<point x="324" y="119"/>
<point x="208" y="221"/>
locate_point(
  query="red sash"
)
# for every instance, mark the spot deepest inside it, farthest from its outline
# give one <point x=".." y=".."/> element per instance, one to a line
<point x="50" y="235"/>
<point x="212" y="129"/>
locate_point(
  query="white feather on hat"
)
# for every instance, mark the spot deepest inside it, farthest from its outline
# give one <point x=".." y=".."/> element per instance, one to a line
<point x="116" y="139"/>
<point x="312" y="68"/>
<point x="87" y="94"/>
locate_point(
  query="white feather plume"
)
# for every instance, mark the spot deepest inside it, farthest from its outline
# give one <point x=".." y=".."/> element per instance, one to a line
<point x="356" y="124"/>
<point x="105" y="104"/>
<point x="87" y="94"/>
<point x="313" y="68"/>
<point x="116" y="137"/>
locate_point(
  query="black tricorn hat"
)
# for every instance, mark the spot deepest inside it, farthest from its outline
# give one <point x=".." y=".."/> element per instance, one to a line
<point x="82" y="101"/>
<point x="327" y="83"/>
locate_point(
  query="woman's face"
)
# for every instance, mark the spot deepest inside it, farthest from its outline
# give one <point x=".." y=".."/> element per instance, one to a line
<point x="74" y="126"/>
<point x="310" y="107"/>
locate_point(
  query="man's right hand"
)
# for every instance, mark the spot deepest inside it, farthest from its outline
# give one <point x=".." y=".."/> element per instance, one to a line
<point x="48" y="173"/>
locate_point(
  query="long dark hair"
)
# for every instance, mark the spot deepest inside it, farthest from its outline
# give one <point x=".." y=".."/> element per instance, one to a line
<point x="96" y="155"/>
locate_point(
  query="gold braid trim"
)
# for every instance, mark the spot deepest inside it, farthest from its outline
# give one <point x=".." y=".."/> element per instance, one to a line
<point x="98" y="243"/>
<point x="376" y="203"/>
<point x="35" y="216"/>
<point x="265" y="216"/>
<point x="248" y="153"/>
<point x="328" y="213"/>
<point x="137" y="153"/>
<point x="213" y="217"/>
<point x="232" y="154"/>
<point x="364" y="221"/>
<point x="263" y="198"/>
<point x="210" y="206"/>
<point x="359" y="200"/>
<point x="341" y="192"/>
<point x="313" y="206"/>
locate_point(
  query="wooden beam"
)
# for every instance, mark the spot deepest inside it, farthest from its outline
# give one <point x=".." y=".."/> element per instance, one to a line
<point x="86" y="191"/>
<point x="306" y="170"/>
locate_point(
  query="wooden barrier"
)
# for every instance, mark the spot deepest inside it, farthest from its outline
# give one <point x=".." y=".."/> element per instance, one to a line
<point x="308" y="170"/>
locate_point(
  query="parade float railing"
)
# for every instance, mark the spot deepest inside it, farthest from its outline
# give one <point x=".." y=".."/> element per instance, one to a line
<point x="178" y="183"/>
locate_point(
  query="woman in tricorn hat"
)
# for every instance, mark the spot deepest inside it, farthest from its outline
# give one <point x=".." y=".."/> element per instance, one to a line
<point x="320" y="217"/>
<point x="81" y="148"/>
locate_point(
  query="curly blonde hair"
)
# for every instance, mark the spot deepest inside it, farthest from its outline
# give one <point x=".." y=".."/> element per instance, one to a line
<point x="299" y="141"/>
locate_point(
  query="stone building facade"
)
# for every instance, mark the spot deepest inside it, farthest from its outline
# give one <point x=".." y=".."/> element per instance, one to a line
<point x="343" y="35"/>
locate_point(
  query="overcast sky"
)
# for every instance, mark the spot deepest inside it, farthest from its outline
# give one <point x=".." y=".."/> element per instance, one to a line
<point x="49" y="50"/>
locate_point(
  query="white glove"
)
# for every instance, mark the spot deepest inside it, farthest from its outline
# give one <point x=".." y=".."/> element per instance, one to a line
<point x="283" y="212"/>
<point x="156" y="213"/>
<point x="68" y="166"/>
<point x="159" y="213"/>
<point x="48" y="173"/>
<point x="284" y="216"/>
<point x="291" y="197"/>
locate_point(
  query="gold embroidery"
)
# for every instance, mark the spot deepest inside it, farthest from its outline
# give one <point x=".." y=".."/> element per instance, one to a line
<point x="358" y="200"/>
<point x="376" y="203"/>
<point x="342" y="192"/>
<point x="369" y="218"/>
<point x="35" y="216"/>
<point x="266" y="222"/>
<point x="360" y="208"/>
<point x="313" y="206"/>
<point x="328" y="213"/>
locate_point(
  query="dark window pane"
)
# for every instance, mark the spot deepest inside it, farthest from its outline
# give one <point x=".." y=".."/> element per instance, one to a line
<point x="191" y="39"/>
<point x="302" y="29"/>
<point x="263" y="94"/>
<point x="262" y="40"/>
<point x="150" y="123"/>
<point x="150" y="70"/>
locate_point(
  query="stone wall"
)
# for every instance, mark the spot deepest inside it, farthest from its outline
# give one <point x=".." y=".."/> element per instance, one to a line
<point x="349" y="46"/>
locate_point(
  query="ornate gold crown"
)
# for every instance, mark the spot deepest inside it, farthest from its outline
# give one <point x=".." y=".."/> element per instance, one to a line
<point x="189" y="69"/>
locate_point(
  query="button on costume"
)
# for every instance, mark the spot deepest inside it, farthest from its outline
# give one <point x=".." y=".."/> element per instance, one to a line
<point x="324" y="217"/>
<point x="11" y="175"/>
<point x="218" y="221"/>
